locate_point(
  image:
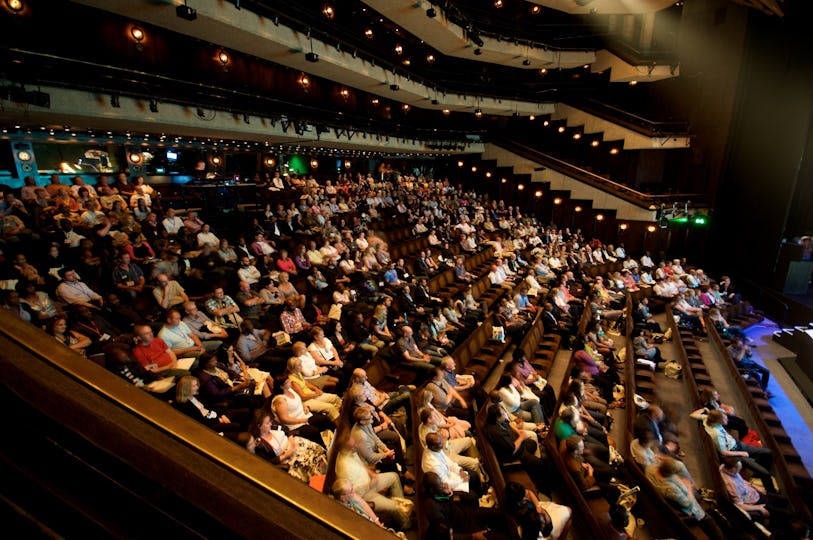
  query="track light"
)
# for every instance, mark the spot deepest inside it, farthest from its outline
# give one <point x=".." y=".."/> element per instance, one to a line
<point x="246" y="119"/>
<point x="200" y="112"/>
<point x="431" y="13"/>
<point x="478" y="51"/>
<point x="478" y="113"/>
<point x="114" y="101"/>
<point x="526" y="62"/>
<point x="312" y="57"/>
<point x="154" y="105"/>
<point x="394" y="87"/>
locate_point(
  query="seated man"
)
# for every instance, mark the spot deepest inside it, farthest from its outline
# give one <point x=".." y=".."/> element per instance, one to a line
<point x="407" y="351"/>
<point x="182" y="340"/>
<point x="223" y="309"/>
<point x="169" y="293"/>
<point x="386" y="401"/>
<point x="758" y="460"/>
<point x="436" y="460"/>
<point x="201" y="325"/>
<point x="444" y="396"/>
<point x="512" y="444"/>
<point x="752" y="499"/>
<point x="75" y="292"/>
<point x="155" y="355"/>
<point x="370" y="486"/>
<point x="741" y="354"/>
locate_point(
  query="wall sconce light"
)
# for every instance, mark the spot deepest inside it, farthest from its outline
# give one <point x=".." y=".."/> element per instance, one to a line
<point x="561" y="129"/>
<point x="314" y="164"/>
<point x="447" y="112"/>
<point x="577" y="209"/>
<point x="538" y="194"/>
<point x="599" y="217"/>
<point x="520" y="187"/>
<point x="577" y="136"/>
<point x="623" y="226"/>
<point x="595" y="143"/>
<point x="478" y="113"/>
<point x="304" y="82"/>
<point x="430" y="58"/>
<point x="488" y="174"/>
<point x="399" y="49"/>
<point x="498" y="4"/>
<point x="134" y="158"/>
<point x="460" y="163"/>
<point x="405" y="107"/>
<point x="474" y="168"/>
<point x="24" y="155"/>
<point x="651" y="229"/>
<point x="368" y="33"/>
<point x="16" y="6"/>
<point x="345" y="93"/>
<point x="347" y="164"/>
<point x="224" y="58"/>
<point x="532" y="118"/>
<point x="613" y="151"/>
<point x="328" y="11"/>
<point x="536" y="9"/>
<point x="137" y="35"/>
<point x="216" y="161"/>
<point x="270" y="162"/>
<point x="504" y="181"/>
<point x="557" y="201"/>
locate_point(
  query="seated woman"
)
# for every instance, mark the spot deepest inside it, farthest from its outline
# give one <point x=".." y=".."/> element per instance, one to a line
<point x="291" y="412"/>
<point x="222" y="385"/>
<point x="186" y="401"/>
<point x="519" y="400"/>
<point x="58" y="327"/>
<point x="302" y="458"/>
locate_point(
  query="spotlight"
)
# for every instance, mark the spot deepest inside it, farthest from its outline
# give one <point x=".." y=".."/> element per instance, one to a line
<point x="526" y="62"/>
<point x="435" y="102"/>
<point x="478" y="51"/>
<point x="431" y="13"/>
<point x="154" y="105"/>
<point x="394" y="87"/>
<point x="246" y="119"/>
<point x="114" y="101"/>
<point x="312" y="57"/>
<point x="200" y="112"/>
<point x="186" y="12"/>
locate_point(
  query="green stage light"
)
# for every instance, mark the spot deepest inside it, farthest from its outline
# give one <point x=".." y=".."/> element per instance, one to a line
<point x="700" y="220"/>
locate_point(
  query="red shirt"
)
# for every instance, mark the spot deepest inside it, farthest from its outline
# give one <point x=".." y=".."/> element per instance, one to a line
<point x="286" y="266"/>
<point x="154" y="353"/>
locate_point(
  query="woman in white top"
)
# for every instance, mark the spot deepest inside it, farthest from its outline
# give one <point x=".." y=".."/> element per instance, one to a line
<point x="297" y="417"/>
<point x="315" y="374"/>
<point x="303" y="458"/>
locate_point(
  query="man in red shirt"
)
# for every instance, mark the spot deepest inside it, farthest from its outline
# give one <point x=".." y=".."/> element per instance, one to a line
<point x="155" y="355"/>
